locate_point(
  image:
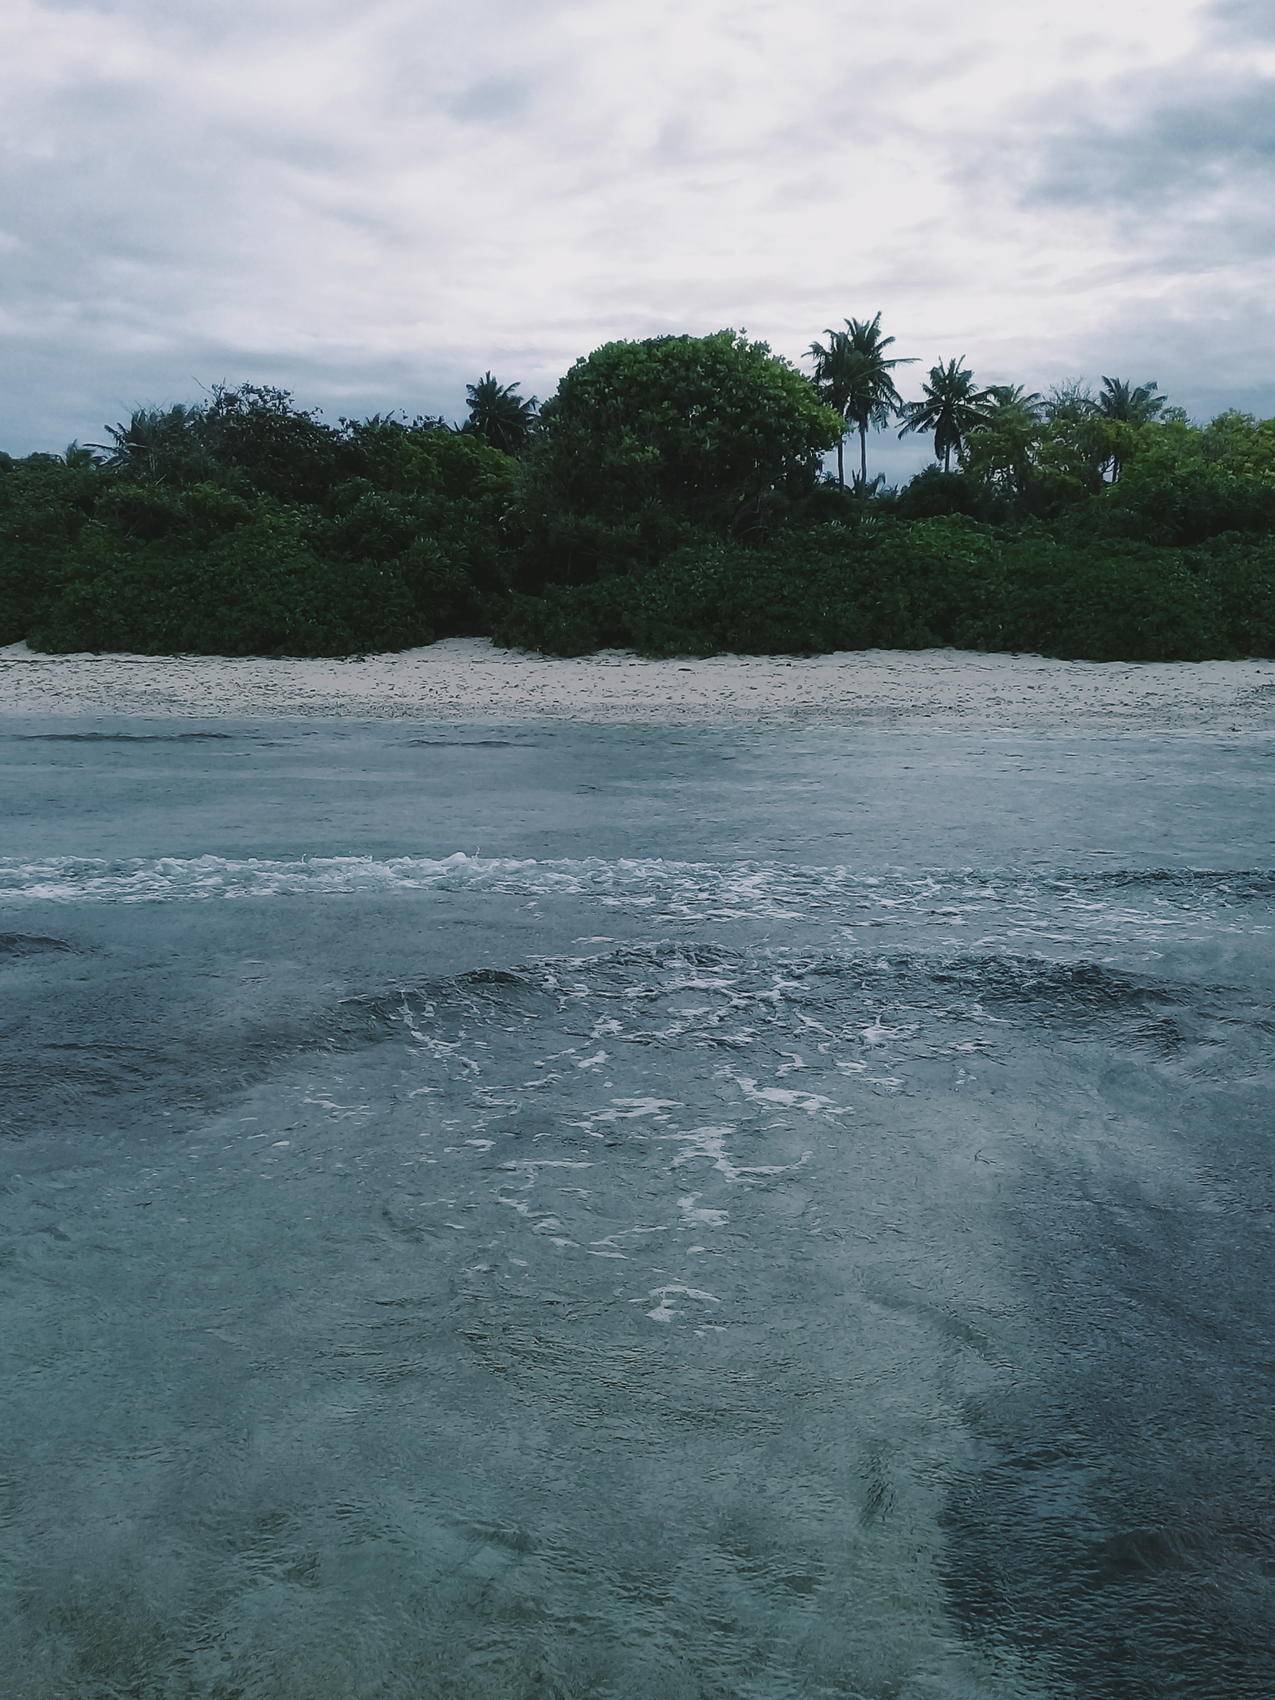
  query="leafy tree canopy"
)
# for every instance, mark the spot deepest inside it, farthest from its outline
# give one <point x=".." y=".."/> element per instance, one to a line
<point x="278" y="448"/>
<point x="702" y="425"/>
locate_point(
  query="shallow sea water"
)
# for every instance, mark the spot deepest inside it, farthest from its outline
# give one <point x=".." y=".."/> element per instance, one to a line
<point x="634" y="1212"/>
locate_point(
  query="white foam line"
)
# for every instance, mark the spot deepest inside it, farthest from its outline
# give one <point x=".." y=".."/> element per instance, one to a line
<point x="675" y="891"/>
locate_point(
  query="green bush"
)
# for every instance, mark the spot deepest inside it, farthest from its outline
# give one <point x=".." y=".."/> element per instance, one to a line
<point x="1241" y="573"/>
<point x="1184" y="485"/>
<point x="262" y="590"/>
<point x="935" y="494"/>
<point x="44" y="505"/>
<point x="932" y="583"/>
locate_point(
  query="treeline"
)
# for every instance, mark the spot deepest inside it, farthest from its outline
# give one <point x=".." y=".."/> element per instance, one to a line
<point x="670" y="497"/>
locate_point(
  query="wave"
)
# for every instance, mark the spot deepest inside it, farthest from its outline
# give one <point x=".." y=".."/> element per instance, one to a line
<point x="589" y="1041"/>
<point x="664" y="992"/>
<point x="974" y="909"/>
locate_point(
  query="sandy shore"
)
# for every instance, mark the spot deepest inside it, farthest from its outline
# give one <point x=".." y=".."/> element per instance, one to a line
<point x="469" y="679"/>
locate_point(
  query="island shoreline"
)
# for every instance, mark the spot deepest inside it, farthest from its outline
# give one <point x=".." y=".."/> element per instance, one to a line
<point x="471" y="680"/>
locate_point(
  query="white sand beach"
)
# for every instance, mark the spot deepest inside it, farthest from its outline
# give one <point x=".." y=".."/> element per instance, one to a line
<point x="468" y="679"/>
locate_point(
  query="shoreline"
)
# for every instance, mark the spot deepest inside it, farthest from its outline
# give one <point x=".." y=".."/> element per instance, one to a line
<point x="469" y="679"/>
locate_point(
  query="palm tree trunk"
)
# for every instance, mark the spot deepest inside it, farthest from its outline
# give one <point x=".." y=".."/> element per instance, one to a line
<point x="863" y="455"/>
<point x="947" y="458"/>
<point x="841" y="462"/>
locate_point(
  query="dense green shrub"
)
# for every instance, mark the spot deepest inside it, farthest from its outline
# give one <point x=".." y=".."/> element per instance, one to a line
<point x="1184" y="504"/>
<point x="264" y="442"/>
<point x="45" y="502"/>
<point x="177" y="538"/>
<point x="1109" y="602"/>
<point x="935" y="494"/>
<point x="31" y="576"/>
<point x="259" y="590"/>
<point x="937" y="582"/>
<point x="441" y="506"/>
<point x="1241" y="574"/>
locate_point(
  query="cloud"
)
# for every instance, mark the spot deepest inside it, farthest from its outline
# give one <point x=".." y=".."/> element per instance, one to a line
<point x="1248" y="19"/>
<point x="1207" y="141"/>
<point x="1163" y="179"/>
<point x="373" y="204"/>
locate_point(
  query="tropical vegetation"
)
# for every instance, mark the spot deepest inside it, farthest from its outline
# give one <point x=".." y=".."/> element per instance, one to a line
<point x="854" y="376"/>
<point x="671" y="496"/>
<point x="500" y="414"/>
<point x="951" y="408"/>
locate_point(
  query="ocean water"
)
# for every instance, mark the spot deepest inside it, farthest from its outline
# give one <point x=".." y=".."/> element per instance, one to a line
<point x="554" y="1213"/>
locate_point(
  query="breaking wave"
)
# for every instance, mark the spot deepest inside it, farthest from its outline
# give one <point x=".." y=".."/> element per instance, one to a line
<point x="744" y="890"/>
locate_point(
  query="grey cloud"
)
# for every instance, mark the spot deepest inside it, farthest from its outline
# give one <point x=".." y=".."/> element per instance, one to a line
<point x="1206" y="361"/>
<point x="1180" y="177"/>
<point x="1205" y="343"/>
<point x="1249" y="19"/>
<point x="1196" y="143"/>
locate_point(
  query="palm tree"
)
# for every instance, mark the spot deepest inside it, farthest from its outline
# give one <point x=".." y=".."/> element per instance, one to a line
<point x="853" y="373"/>
<point x="950" y="406"/>
<point x="1131" y="404"/>
<point x="832" y="379"/>
<point x="499" y="414"/>
<point x="1007" y="399"/>
<point x="1123" y="403"/>
<point x="158" y="444"/>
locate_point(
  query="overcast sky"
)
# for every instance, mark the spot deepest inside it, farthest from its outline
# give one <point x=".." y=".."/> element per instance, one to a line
<point x="372" y="203"/>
